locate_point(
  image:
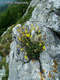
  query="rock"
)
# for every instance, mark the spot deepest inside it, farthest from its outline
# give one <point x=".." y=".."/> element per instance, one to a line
<point x="0" y="58"/>
<point x="2" y="73"/>
<point x="44" y="17"/>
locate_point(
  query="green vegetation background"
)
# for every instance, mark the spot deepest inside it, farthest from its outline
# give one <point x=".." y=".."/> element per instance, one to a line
<point x="10" y="15"/>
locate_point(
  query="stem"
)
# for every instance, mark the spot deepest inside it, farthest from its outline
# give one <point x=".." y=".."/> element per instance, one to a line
<point x="41" y="70"/>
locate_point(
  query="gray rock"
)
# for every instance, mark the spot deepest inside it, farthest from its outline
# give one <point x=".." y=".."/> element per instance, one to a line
<point x="48" y="22"/>
<point x="2" y="72"/>
<point x="0" y="58"/>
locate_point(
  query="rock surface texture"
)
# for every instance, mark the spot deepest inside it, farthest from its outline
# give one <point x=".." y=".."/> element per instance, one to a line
<point x="46" y="15"/>
<point x="2" y="73"/>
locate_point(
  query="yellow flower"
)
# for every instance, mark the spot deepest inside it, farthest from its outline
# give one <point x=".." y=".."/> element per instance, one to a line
<point x="33" y="28"/>
<point x="26" y="31"/>
<point x="27" y="44"/>
<point x="21" y="49"/>
<point x="31" y="36"/>
<point x="39" y="31"/>
<point x="18" y="30"/>
<point x="17" y="25"/>
<point x="31" y="24"/>
<point x="22" y="27"/>
<point x="26" y="57"/>
<point x="19" y="38"/>
<point x="44" y="47"/>
<point x="27" y="35"/>
<point x="40" y="44"/>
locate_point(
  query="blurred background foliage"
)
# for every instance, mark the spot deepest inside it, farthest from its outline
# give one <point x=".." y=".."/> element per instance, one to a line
<point x="10" y="14"/>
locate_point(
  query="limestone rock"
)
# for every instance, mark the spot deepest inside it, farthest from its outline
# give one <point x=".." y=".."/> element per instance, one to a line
<point x="45" y="17"/>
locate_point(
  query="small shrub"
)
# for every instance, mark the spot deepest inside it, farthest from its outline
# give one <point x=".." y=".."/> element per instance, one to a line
<point x="32" y="44"/>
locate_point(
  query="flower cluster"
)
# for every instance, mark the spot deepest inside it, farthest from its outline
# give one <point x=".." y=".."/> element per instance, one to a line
<point x="31" y="41"/>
